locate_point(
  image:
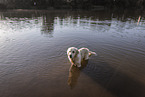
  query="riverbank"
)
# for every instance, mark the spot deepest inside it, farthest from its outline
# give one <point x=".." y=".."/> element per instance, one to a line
<point x="73" y="4"/>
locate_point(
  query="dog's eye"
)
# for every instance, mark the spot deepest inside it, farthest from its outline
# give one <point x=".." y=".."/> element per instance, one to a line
<point x="73" y="52"/>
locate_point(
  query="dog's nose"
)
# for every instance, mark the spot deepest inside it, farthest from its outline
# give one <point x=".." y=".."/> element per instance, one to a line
<point x="70" y="56"/>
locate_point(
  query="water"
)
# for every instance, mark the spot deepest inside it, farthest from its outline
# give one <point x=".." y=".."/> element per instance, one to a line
<point x="33" y="60"/>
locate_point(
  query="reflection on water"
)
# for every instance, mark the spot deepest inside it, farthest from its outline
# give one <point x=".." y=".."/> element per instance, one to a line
<point x="48" y="25"/>
<point x="33" y="60"/>
<point x="74" y="74"/>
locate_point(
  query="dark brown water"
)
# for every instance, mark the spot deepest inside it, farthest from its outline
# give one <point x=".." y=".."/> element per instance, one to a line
<point x="33" y="60"/>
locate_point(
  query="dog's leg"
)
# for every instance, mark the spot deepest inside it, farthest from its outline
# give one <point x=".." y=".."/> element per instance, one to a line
<point x="87" y="57"/>
<point x="79" y="63"/>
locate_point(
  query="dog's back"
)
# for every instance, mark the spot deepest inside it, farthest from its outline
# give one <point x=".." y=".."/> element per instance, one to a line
<point x="84" y="52"/>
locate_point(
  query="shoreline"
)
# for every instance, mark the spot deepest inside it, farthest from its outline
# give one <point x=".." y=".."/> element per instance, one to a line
<point x="97" y="8"/>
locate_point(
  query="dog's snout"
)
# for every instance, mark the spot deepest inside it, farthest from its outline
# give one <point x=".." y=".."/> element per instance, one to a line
<point x="70" y="56"/>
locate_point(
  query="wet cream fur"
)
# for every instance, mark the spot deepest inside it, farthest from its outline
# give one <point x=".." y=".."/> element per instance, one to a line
<point x="78" y="55"/>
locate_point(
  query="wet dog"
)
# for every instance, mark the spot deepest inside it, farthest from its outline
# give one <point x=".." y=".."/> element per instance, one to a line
<point x="76" y="56"/>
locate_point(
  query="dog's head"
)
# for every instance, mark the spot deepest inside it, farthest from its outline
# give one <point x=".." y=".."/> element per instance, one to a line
<point x="72" y="52"/>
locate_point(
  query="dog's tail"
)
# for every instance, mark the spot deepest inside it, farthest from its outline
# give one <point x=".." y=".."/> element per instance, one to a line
<point x="92" y="53"/>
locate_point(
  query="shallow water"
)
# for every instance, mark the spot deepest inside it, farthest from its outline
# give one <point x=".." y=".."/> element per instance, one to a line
<point x="33" y="60"/>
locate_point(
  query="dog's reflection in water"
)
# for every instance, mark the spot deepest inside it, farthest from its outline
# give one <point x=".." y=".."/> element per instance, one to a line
<point x="74" y="73"/>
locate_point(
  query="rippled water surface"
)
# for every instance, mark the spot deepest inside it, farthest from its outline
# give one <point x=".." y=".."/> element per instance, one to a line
<point x="33" y="60"/>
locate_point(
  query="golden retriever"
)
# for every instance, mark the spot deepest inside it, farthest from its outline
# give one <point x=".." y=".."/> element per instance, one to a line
<point x="76" y="56"/>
